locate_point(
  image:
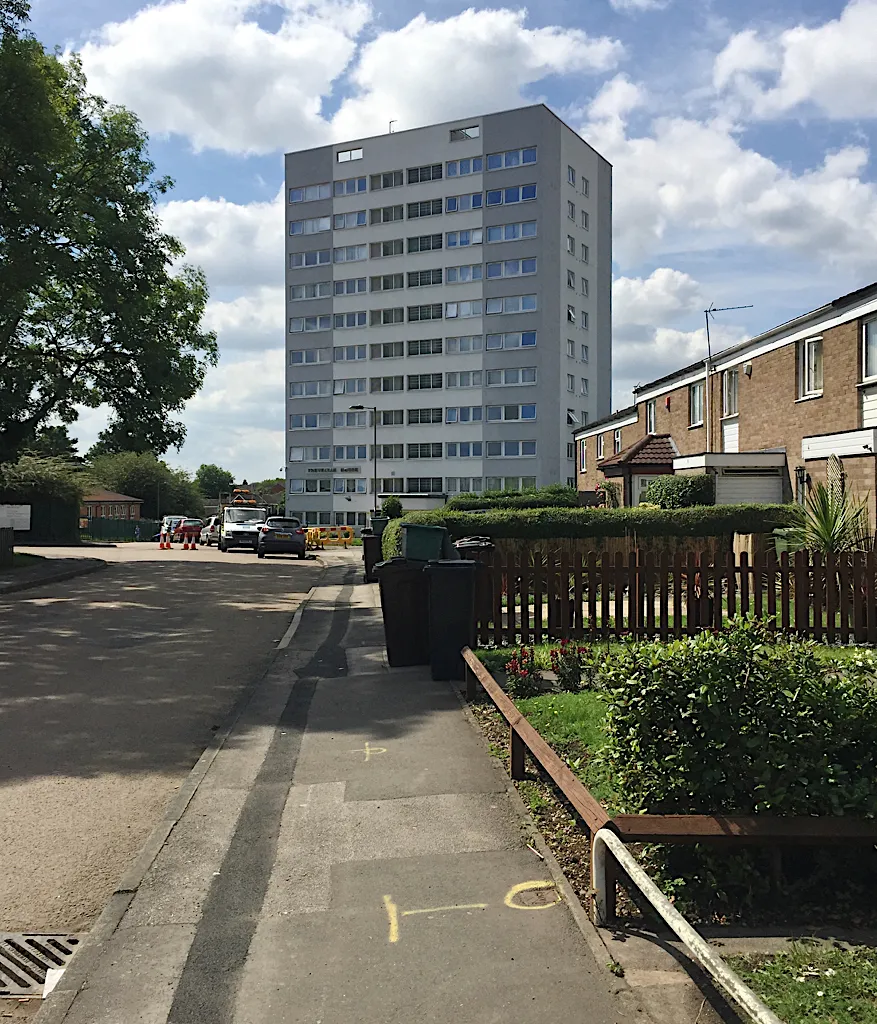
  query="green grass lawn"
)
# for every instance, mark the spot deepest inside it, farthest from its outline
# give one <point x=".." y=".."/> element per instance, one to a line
<point x="813" y="983"/>
<point x="574" y="725"/>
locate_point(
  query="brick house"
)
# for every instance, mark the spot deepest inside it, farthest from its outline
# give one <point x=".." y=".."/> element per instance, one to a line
<point x="762" y="416"/>
<point x="103" y="504"/>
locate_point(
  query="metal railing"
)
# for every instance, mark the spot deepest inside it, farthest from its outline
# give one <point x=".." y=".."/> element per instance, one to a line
<point x="605" y="844"/>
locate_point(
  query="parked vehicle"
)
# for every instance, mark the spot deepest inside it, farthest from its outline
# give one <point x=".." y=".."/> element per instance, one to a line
<point x="188" y="530"/>
<point x="211" y="530"/>
<point x="170" y="523"/>
<point x="281" y="536"/>
<point x="240" y="526"/>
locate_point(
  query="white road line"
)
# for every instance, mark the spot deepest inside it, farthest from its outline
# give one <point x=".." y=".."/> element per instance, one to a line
<point x="296" y="619"/>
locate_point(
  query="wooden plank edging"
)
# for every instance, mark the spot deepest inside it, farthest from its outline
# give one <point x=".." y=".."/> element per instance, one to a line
<point x="591" y="810"/>
<point x="670" y="828"/>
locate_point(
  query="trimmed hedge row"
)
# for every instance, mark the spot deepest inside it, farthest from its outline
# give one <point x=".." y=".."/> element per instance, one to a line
<point x="682" y="491"/>
<point x="553" y="496"/>
<point x="556" y="523"/>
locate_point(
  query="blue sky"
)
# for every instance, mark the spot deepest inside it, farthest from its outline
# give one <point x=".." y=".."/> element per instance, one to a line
<point x="741" y="135"/>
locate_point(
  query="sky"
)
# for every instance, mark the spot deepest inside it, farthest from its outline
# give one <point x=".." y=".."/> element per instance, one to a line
<point x="740" y="133"/>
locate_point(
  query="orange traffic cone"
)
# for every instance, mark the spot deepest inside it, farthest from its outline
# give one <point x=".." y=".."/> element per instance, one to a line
<point x="194" y="544"/>
<point x="161" y="542"/>
<point x="185" y="543"/>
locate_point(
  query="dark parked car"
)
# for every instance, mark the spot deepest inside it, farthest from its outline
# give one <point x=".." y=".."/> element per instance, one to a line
<point x="281" y="537"/>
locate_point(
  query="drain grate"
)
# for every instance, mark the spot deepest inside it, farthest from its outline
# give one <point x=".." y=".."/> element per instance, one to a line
<point x="25" y="958"/>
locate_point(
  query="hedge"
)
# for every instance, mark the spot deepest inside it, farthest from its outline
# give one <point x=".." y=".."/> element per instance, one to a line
<point x="553" y="496"/>
<point x="682" y="491"/>
<point x="548" y="523"/>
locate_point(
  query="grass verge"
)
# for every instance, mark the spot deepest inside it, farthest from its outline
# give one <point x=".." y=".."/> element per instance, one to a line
<point x="813" y="983"/>
<point x="20" y="561"/>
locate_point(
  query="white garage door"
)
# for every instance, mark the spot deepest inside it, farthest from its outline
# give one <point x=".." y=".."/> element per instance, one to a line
<point x="730" y="435"/>
<point x="740" y="488"/>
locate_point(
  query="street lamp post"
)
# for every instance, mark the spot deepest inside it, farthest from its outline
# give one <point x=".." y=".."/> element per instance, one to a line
<point x="373" y="410"/>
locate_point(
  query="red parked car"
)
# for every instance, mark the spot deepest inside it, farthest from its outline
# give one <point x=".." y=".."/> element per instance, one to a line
<point x="188" y="531"/>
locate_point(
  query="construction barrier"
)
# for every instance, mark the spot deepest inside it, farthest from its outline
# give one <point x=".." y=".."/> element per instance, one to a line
<point x="313" y="540"/>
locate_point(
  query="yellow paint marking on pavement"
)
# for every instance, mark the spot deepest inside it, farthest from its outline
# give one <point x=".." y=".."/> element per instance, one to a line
<point x="530" y="887"/>
<point x="368" y="750"/>
<point x="456" y="906"/>
<point x="393" y="915"/>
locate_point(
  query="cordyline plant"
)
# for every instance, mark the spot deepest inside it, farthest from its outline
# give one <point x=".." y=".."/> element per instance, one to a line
<point x="833" y="522"/>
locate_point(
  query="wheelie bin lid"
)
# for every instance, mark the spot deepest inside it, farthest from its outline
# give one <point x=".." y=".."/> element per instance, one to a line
<point x="445" y="564"/>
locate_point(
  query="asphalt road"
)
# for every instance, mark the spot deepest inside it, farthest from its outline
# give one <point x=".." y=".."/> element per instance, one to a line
<point x="110" y="688"/>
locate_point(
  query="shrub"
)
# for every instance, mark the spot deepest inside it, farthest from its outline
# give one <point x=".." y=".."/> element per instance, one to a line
<point x="740" y="722"/>
<point x="681" y="491"/>
<point x="553" y="496"/>
<point x="32" y="478"/>
<point x="569" y="663"/>
<point x="523" y="676"/>
<point x="557" y="523"/>
<point x="391" y="507"/>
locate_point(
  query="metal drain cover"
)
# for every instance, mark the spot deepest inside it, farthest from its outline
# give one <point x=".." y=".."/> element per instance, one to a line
<point x="25" y="958"/>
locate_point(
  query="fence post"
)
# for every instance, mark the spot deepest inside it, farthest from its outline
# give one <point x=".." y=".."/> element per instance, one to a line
<point x="470" y="684"/>
<point x="517" y="754"/>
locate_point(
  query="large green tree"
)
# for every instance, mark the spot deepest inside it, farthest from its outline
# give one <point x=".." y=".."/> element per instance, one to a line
<point x="92" y="309"/>
<point x="213" y="480"/>
<point x="164" y="491"/>
<point x="53" y="442"/>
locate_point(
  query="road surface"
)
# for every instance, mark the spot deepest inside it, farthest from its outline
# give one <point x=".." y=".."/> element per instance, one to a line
<point x="110" y="687"/>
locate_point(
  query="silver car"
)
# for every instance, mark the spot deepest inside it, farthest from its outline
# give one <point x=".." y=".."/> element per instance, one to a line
<point x="210" y="532"/>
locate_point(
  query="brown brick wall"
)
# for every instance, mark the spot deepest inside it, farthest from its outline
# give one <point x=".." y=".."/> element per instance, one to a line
<point x="770" y="415"/>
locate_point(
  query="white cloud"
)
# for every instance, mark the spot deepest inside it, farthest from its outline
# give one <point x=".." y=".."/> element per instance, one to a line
<point x="206" y="70"/>
<point x="638" y="5"/>
<point x="660" y="298"/>
<point x="689" y="184"/>
<point x="484" y="59"/>
<point x="250" y="322"/>
<point x="830" y="67"/>
<point x="237" y="244"/>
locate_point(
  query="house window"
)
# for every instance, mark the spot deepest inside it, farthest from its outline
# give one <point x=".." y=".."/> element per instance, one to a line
<point x="570" y="244"/>
<point x="353" y="219"/>
<point x="586" y="187"/>
<point x="810" y="372"/>
<point x="586" y="254"/>
<point x="571" y="314"/>
<point x="472" y="131"/>
<point x="388" y="179"/>
<point x="511" y="158"/>
<point x="616" y="439"/>
<point x="586" y="220"/>
<point x="585" y="351"/>
<point x="695" y="404"/>
<point x="583" y="456"/>
<point x="570" y="209"/>
<point x="471" y="165"/>
<point x="584" y="385"/>
<point x="571" y="175"/>
<point x="346" y="155"/>
<point x="392" y="247"/>
<point x="869" y="350"/>
<point x="599" y="446"/>
<point x="425" y="278"/>
<point x="570" y="450"/>
<point x="308" y="193"/>
<point x="730" y="383"/>
<point x="570" y="382"/>
<point x="651" y="416"/>
<point x="570" y="348"/>
<point x="429" y="172"/>
<point x="510" y="232"/>
<point x="570" y="279"/>
<point x="585" y="286"/>
<point x="427" y="208"/>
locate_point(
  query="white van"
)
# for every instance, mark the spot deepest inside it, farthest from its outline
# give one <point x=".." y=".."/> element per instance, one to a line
<point x="240" y="526"/>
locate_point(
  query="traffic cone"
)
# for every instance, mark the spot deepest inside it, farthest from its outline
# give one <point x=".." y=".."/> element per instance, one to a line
<point x="194" y="544"/>
<point x="161" y="542"/>
<point x="186" y="543"/>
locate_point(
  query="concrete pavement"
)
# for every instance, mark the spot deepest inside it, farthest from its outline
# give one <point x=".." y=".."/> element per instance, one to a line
<point x="351" y="854"/>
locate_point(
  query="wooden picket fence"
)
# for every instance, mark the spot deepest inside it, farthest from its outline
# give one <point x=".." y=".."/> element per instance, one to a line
<point x="830" y="599"/>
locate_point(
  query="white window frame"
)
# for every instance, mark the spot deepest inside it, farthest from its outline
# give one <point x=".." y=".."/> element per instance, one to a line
<point x="601" y="447"/>
<point x="810" y="360"/>
<point x="696" y="392"/>
<point x="616" y="440"/>
<point x="651" y="416"/>
<point x="730" y="392"/>
<point x="872" y="325"/>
